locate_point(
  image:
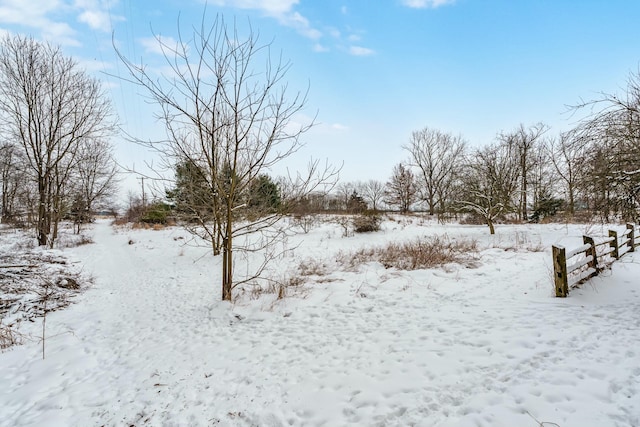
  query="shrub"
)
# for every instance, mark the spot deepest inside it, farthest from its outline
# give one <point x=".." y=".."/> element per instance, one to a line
<point x="8" y="337"/>
<point x="305" y="222"/>
<point x="367" y="222"/>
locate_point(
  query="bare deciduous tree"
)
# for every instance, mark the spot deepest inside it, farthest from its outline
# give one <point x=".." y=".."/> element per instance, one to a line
<point x="232" y="119"/>
<point x="612" y="129"/>
<point x="524" y="141"/>
<point x="94" y="179"/>
<point x="489" y="182"/>
<point x="49" y="107"/>
<point x="344" y="190"/>
<point x="542" y="180"/>
<point x="438" y="155"/>
<point x="567" y="155"/>
<point x="373" y="192"/>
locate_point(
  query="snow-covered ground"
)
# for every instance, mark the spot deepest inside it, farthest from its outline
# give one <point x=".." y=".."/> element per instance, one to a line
<point x="150" y="344"/>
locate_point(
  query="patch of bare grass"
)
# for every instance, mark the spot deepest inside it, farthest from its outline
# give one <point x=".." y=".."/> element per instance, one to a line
<point x="418" y="254"/>
<point x="287" y="285"/>
<point x="312" y="267"/>
<point x="291" y="283"/>
<point x="9" y="337"/>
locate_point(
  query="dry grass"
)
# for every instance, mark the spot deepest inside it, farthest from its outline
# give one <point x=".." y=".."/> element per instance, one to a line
<point x="8" y="337"/>
<point x="292" y="283"/>
<point x="288" y="285"/>
<point x="312" y="267"/>
<point x="416" y="255"/>
<point x="72" y="241"/>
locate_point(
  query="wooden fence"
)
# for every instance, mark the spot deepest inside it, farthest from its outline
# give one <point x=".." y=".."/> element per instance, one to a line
<point x="571" y="268"/>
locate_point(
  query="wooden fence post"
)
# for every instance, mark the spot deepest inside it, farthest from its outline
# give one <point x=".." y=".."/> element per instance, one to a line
<point x="614" y="244"/>
<point x="560" y="271"/>
<point x="632" y="237"/>
<point x="591" y="252"/>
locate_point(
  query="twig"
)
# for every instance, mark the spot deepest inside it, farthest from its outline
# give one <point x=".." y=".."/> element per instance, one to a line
<point x="542" y="423"/>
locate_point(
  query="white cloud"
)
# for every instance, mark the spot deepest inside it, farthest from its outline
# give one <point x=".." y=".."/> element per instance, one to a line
<point x="339" y="127"/>
<point x="158" y="43"/>
<point x="300" y="23"/>
<point x="48" y="17"/>
<point x="282" y="10"/>
<point x="320" y="48"/>
<point x="334" y="32"/>
<point x="97" y="13"/>
<point x="93" y="65"/>
<point x="271" y="7"/>
<point x="34" y="15"/>
<point x="61" y="33"/>
<point x="361" y="51"/>
<point x="97" y="20"/>
<point x="424" y="4"/>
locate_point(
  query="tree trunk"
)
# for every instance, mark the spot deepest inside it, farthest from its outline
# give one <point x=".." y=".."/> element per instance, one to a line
<point x="225" y="296"/>
<point x="492" y="230"/>
<point x="571" y="201"/>
<point x="227" y="260"/>
<point x="523" y="166"/>
<point x="42" y="213"/>
<point x="54" y="234"/>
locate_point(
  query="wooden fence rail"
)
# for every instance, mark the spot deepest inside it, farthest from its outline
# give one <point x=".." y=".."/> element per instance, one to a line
<point x="572" y="267"/>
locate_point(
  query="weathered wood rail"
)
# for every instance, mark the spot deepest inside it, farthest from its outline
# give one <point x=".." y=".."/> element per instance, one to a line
<point x="573" y="267"/>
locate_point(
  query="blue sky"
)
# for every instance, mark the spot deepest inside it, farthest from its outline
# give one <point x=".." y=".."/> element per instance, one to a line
<point x="376" y="70"/>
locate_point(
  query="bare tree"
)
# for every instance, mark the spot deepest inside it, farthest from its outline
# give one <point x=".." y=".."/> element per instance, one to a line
<point x="344" y="190"/>
<point x="567" y="155"/>
<point x="373" y="192"/>
<point x="437" y="155"/>
<point x="401" y="189"/>
<point x="233" y="121"/>
<point x="543" y="181"/>
<point x="49" y="107"/>
<point x="617" y="115"/>
<point x="489" y="183"/>
<point x="95" y="179"/>
<point x="524" y="141"/>
<point x="612" y="128"/>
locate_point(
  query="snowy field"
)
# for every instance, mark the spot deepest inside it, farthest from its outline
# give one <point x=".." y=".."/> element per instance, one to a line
<point x="481" y="344"/>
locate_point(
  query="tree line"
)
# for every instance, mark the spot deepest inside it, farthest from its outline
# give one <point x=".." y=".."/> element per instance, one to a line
<point x="526" y="174"/>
